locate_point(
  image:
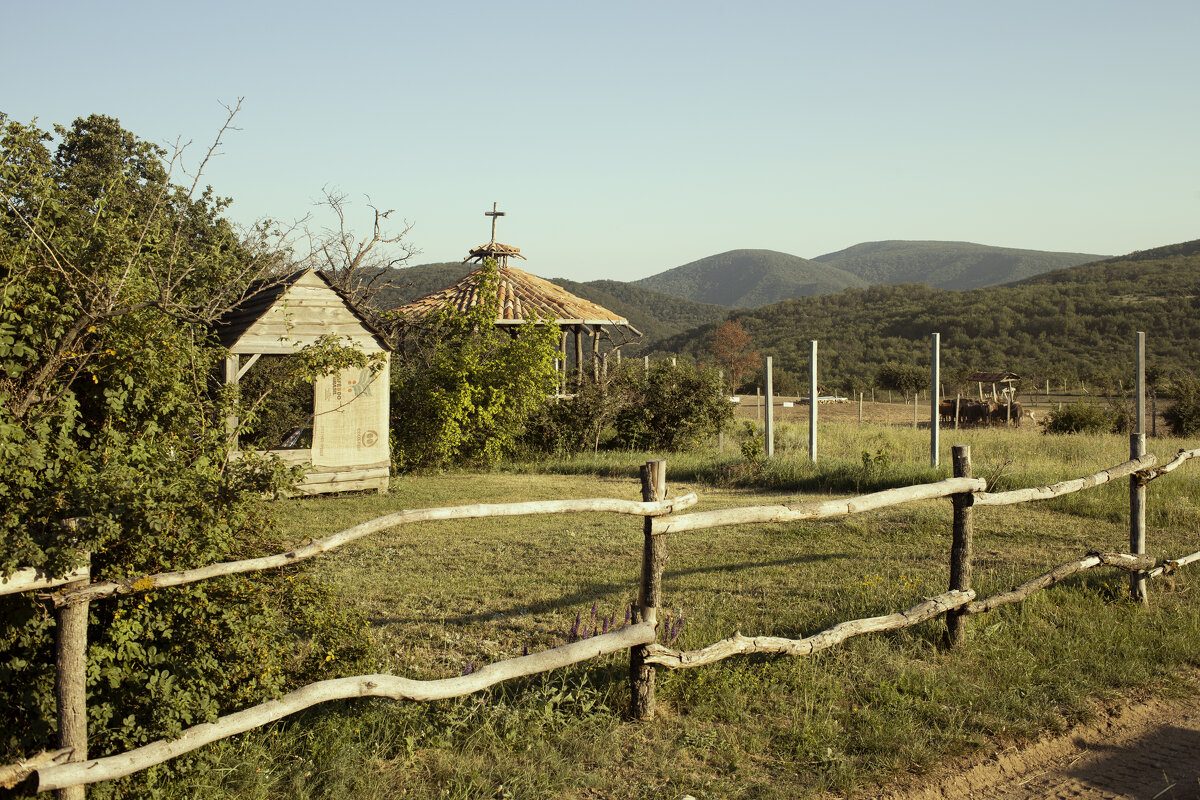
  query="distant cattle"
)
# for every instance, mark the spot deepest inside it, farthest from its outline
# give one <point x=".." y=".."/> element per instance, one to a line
<point x="982" y="412"/>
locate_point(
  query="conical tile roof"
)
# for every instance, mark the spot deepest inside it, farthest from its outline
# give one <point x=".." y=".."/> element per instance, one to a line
<point x="522" y="297"/>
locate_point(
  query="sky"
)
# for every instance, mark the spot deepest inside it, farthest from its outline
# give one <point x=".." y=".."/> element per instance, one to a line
<point x="626" y="138"/>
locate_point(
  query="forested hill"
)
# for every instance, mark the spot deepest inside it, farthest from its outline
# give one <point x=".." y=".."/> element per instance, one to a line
<point x="749" y="278"/>
<point x="1073" y="323"/>
<point x="655" y="314"/>
<point x="407" y="284"/>
<point x="947" y="265"/>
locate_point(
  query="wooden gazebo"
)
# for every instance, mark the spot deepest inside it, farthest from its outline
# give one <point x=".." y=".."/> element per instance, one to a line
<point x="350" y="408"/>
<point x="524" y="297"/>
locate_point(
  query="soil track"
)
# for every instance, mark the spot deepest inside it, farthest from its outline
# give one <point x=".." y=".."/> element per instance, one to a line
<point x="1148" y="750"/>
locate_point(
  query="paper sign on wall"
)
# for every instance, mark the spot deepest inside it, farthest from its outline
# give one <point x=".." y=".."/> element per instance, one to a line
<point x="350" y="424"/>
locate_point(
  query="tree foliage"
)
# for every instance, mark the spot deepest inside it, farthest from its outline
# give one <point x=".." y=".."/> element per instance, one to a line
<point x="669" y="407"/>
<point x="462" y="388"/>
<point x="1183" y="416"/>
<point x="732" y="348"/>
<point x="110" y="274"/>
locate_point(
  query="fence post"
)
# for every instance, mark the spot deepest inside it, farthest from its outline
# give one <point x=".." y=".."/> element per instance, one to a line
<point x="769" y="447"/>
<point x="813" y="393"/>
<point x="1137" y="486"/>
<point x="960" y="547"/>
<point x="70" y="685"/>
<point x="935" y="398"/>
<point x="654" y="557"/>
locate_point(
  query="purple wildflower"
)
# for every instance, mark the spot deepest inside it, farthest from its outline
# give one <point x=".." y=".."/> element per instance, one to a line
<point x="525" y="649"/>
<point x="573" y="634"/>
<point x="469" y="668"/>
<point x="628" y="614"/>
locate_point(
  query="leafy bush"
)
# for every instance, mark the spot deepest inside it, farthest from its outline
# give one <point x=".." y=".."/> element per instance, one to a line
<point x="1183" y="416"/>
<point x="462" y="389"/>
<point x="671" y="407"/>
<point x="109" y="278"/>
<point x="1083" y="418"/>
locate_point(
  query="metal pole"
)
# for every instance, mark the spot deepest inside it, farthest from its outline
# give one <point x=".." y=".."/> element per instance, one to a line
<point x="770" y="446"/>
<point x="812" y="402"/>
<point x="935" y="378"/>
<point x="1137" y="486"/>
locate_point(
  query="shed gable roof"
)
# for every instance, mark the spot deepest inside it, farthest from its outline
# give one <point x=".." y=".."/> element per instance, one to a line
<point x="283" y="315"/>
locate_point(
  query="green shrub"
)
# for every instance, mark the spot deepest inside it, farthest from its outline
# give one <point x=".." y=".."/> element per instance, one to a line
<point x="1183" y="416"/>
<point x="462" y="389"/>
<point x="109" y="278"/>
<point x="671" y="407"/>
<point x="1083" y="418"/>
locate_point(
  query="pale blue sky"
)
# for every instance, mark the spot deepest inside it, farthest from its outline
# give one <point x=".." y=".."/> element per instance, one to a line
<point x="625" y="138"/>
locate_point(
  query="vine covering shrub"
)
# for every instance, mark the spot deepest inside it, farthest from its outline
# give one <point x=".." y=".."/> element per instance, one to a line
<point x="462" y="389"/>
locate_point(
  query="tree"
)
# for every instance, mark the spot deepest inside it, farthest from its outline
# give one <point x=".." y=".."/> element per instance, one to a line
<point x="731" y="349"/>
<point x="360" y="267"/>
<point x="110" y="274"/>
<point x="904" y="378"/>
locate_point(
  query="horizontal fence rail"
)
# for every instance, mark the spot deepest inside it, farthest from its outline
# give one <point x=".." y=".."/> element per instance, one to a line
<point x="96" y="591"/>
<point x="67" y="768"/>
<point x="822" y="509"/>
<point x="58" y="776"/>
<point x="742" y="645"/>
<point x="1066" y="487"/>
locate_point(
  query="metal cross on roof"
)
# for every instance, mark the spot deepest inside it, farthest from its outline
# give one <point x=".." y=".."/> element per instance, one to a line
<point x="493" y="214"/>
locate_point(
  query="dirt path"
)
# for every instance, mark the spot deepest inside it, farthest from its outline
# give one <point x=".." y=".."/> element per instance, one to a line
<point x="1148" y="750"/>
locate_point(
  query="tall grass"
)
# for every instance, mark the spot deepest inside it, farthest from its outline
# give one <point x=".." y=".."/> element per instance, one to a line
<point x="443" y="596"/>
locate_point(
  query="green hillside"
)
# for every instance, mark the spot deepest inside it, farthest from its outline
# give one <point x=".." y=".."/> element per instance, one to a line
<point x="749" y="278"/>
<point x="1071" y="324"/>
<point x="947" y="265"/>
<point x="655" y="314"/>
<point x="407" y="284"/>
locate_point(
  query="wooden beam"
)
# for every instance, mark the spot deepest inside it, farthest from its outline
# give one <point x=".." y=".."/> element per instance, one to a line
<point x="318" y="546"/>
<point x="105" y="769"/>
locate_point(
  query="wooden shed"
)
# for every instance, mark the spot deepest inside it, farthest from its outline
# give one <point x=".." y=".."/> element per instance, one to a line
<point x="349" y="449"/>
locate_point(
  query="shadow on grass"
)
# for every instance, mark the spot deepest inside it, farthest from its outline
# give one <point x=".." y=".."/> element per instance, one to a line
<point x="587" y="594"/>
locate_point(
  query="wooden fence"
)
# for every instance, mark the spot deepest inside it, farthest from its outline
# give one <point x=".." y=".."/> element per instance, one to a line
<point x="68" y="769"/>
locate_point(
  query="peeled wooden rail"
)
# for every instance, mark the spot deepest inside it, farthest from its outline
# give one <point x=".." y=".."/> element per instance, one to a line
<point x="327" y="543"/>
<point x="1175" y="463"/>
<point x="59" y="776"/>
<point x="1125" y="561"/>
<point x="28" y="580"/>
<point x="740" y="645"/>
<point x="823" y="509"/>
<point x="1066" y="487"/>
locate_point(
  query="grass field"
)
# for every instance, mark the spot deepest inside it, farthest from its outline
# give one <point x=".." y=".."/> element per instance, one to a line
<point x="442" y="597"/>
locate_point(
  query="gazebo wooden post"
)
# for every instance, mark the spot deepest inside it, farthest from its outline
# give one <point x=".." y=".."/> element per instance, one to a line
<point x="563" y="375"/>
<point x="578" y="357"/>
<point x="596" y="355"/>
<point x="232" y="370"/>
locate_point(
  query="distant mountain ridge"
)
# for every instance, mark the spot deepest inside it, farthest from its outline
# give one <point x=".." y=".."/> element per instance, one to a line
<point x="948" y="265"/>
<point x="750" y="278"/>
<point x="1075" y="323"/>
